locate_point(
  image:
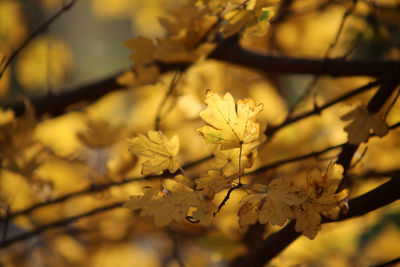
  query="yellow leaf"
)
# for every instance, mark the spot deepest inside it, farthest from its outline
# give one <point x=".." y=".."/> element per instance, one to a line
<point x="249" y="212"/>
<point x="362" y="122"/>
<point x="215" y="5"/>
<point x="228" y="160"/>
<point x="253" y="17"/>
<point x="322" y="199"/>
<point x="273" y="204"/>
<point x="143" y="48"/>
<point x="214" y="181"/>
<point x="228" y="127"/>
<point x="173" y="51"/>
<point x="280" y="199"/>
<point x="172" y="203"/>
<point x="159" y="149"/>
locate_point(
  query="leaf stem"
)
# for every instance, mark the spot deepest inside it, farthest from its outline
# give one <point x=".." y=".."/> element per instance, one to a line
<point x="240" y="162"/>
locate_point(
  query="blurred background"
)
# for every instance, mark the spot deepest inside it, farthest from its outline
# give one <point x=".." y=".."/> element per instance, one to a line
<point x="54" y="157"/>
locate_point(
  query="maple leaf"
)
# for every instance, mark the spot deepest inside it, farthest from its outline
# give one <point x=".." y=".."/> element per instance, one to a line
<point x="141" y="75"/>
<point x="228" y="160"/>
<point x="172" y="203"/>
<point x="228" y="127"/>
<point x="253" y="16"/>
<point x="273" y="203"/>
<point x="215" y="181"/>
<point x="159" y="149"/>
<point x="282" y="200"/>
<point x="322" y="199"/>
<point x="144" y="49"/>
<point x="362" y="122"/>
<point x="282" y="196"/>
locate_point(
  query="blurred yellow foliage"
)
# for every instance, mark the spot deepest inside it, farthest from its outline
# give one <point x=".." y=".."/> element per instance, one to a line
<point x="12" y="24"/>
<point x="83" y="156"/>
<point x="44" y="64"/>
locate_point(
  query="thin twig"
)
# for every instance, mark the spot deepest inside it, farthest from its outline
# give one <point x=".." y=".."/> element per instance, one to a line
<point x="311" y="86"/>
<point x="35" y="33"/>
<point x="271" y="130"/>
<point x="293" y="159"/>
<point x="360" y="158"/>
<point x="171" y="88"/>
<point x="341" y="26"/>
<point x="391" y="105"/>
<point x="226" y="198"/>
<point x="59" y="223"/>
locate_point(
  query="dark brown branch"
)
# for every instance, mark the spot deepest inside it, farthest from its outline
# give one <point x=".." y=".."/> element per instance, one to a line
<point x="59" y="223"/>
<point x="56" y="104"/>
<point x="227" y="51"/>
<point x="231" y="52"/>
<point x="277" y="242"/>
<point x="389" y="263"/>
<point x="33" y="35"/>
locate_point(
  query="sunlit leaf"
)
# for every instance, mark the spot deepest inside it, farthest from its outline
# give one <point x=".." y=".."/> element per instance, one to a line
<point x="229" y="125"/>
<point x="159" y="149"/>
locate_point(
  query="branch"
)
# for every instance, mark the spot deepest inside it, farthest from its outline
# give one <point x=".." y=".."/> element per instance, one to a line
<point x="388" y="86"/>
<point x="231" y="52"/>
<point x="280" y="240"/>
<point x="93" y="189"/>
<point x="317" y="110"/>
<point x="389" y="263"/>
<point x="227" y="51"/>
<point x="59" y="223"/>
<point x="35" y="33"/>
<point x="277" y="242"/>
<point x="294" y="159"/>
<point x="187" y="166"/>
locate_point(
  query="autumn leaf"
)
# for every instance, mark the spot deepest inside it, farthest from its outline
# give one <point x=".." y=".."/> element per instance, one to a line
<point x="214" y="181"/>
<point x="273" y="203"/>
<point x="230" y="126"/>
<point x="144" y="49"/>
<point x="322" y="199"/>
<point x="142" y="75"/>
<point x="172" y="203"/>
<point x="252" y="16"/>
<point x="362" y="122"/>
<point x="159" y="149"/>
<point x="282" y="200"/>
